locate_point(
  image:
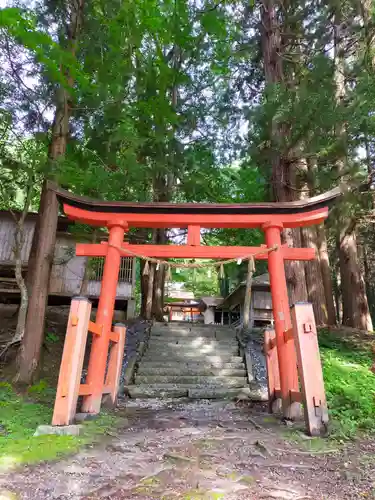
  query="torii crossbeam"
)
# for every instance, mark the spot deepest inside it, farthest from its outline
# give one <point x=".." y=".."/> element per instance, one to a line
<point x="272" y="218"/>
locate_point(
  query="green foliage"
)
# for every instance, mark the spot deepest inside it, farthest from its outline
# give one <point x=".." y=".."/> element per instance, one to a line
<point x="39" y="389"/>
<point x="202" y="282"/>
<point x="20" y="416"/>
<point x="23" y="26"/>
<point x="349" y="382"/>
<point x="52" y="338"/>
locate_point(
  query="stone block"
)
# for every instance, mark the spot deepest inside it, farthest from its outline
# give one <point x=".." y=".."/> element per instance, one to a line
<point x="59" y="430"/>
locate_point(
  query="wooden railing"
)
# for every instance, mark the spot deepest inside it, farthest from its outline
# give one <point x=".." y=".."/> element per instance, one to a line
<point x="69" y="386"/>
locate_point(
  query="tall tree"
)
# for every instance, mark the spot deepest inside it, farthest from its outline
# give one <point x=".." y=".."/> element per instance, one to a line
<point x="284" y="171"/>
<point x="42" y="250"/>
<point x="355" y="306"/>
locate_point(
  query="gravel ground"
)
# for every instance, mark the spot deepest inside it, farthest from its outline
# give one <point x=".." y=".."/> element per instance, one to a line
<point x="201" y="450"/>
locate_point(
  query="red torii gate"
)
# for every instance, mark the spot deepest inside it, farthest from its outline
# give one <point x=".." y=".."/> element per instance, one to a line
<point x="293" y="343"/>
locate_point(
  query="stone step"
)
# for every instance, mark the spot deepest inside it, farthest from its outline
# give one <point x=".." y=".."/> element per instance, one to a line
<point x="220" y="381"/>
<point x="190" y="351"/>
<point x="192" y="357"/>
<point x="184" y="329"/>
<point x="191" y="328"/>
<point x="191" y="341"/>
<point x="191" y="346"/>
<point x="181" y="365"/>
<point x="157" y="392"/>
<point x="192" y="338"/>
<point x="198" y="371"/>
<point x="161" y="391"/>
<point x="194" y="333"/>
<point x="228" y="393"/>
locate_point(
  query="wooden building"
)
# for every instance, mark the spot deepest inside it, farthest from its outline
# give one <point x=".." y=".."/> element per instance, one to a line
<point x="68" y="271"/>
<point x="260" y="306"/>
<point x="212" y="312"/>
<point x="183" y="311"/>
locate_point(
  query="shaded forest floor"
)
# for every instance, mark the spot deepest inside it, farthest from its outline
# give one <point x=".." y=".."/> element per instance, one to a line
<point x="202" y="450"/>
<point x="56" y="321"/>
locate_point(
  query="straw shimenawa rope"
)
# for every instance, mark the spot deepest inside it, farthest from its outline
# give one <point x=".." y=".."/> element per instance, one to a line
<point x="194" y="265"/>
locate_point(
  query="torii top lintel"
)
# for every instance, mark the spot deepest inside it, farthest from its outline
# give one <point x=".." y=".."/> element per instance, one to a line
<point x="209" y="215"/>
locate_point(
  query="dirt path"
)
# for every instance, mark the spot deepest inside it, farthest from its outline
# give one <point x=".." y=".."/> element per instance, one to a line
<point x="201" y="450"/>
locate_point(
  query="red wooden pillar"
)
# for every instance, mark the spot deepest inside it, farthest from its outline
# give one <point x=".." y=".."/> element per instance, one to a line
<point x="310" y="368"/>
<point x="116" y="356"/>
<point x="273" y="372"/>
<point x="280" y="304"/>
<point x="72" y="362"/>
<point x="100" y="343"/>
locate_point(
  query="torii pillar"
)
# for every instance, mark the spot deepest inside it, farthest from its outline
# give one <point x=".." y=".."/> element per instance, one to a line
<point x="100" y="344"/>
<point x="287" y="360"/>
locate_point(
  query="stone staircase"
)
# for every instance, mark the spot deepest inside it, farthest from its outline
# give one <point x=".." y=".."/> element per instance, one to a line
<point x="199" y="362"/>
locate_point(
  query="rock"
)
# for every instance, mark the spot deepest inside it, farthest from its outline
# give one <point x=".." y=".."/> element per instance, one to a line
<point x="223" y="393"/>
<point x="277" y="406"/>
<point x="59" y="430"/>
<point x="81" y="417"/>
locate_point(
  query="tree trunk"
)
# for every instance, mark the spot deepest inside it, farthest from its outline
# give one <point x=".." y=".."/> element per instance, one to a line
<point x="86" y="275"/>
<point x="355" y="307"/>
<point x="19" y="242"/>
<point x="159" y="281"/>
<point x="366" y="8"/>
<point x="309" y="236"/>
<point x="161" y="192"/>
<point x="158" y="299"/>
<point x="295" y="270"/>
<point x="368" y="282"/>
<point x="43" y="244"/>
<point x="337" y="293"/>
<point x="326" y="274"/>
<point x="144" y="288"/>
<point x="247" y="300"/>
<point x="283" y="177"/>
<point x="29" y="355"/>
<point x="150" y="291"/>
<point x="314" y="281"/>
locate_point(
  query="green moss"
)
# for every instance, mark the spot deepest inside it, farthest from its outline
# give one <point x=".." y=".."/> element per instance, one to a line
<point x="313" y="444"/>
<point x="247" y="480"/>
<point x="233" y="476"/>
<point x="150" y="481"/>
<point x="349" y="383"/>
<point x="240" y="478"/>
<point x="20" y="416"/>
<point x="270" y="420"/>
<point x="199" y="494"/>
